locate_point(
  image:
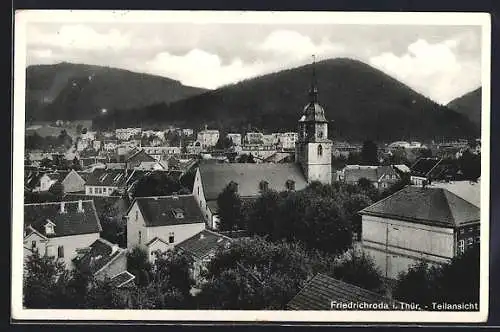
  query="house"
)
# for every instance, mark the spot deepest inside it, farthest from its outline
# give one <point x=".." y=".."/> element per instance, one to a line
<point x="59" y="229"/>
<point x="135" y="157"/>
<point x="161" y="165"/>
<point x="418" y="224"/>
<point x="326" y="293"/>
<point x="159" y="223"/>
<point x="253" y="138"/>
<point x="161" y="152"/>
<point x="208" y="138"/>
<point x="202" y="248"/>
<point x="380" y="177"/>
<point x="126" y="133"/>
<point x="71" y="181"/>
<point x="211" y="179"/>
<point x="402" y="169"/>
<point x="434" y="169"/>
<point x="103" y="182"/>
<point x="287" y="140"/>
<point x="102" y="259"/>
<point x="235" y="138"/>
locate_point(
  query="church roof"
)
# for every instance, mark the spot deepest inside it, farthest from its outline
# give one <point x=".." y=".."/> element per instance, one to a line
<point x="313" y="112"/>
<point x="215" y="177"/>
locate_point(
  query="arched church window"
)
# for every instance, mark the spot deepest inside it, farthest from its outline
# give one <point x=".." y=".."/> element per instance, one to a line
<point x="320" y="150"/>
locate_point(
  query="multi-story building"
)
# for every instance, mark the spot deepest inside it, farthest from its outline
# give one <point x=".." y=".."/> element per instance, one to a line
<point x="235" y="138"/>
<point x="159" y="223"/>
<point x="126" y="133"/>
<point x="287" y="140"/>
<point x="208" y="138"/>
<point x="253" y="138"/>
<point x="418" y="224"/>
<point x="59" y="229"/>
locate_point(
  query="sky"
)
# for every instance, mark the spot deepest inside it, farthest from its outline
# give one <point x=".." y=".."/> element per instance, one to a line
<point x="441" y="62"/>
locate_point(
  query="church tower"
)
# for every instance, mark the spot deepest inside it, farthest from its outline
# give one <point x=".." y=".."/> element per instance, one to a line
<point x="313" y="149"/>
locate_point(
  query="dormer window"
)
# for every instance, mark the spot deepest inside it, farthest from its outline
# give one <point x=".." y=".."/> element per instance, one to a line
<point x="290" y="185"/>
<point x="178" y="213"/>
<point x="320" y="151"/>
<point x="49" y="228"/>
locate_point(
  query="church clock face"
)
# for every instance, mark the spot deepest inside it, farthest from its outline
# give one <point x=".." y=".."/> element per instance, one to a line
<point x="321" y="133"/>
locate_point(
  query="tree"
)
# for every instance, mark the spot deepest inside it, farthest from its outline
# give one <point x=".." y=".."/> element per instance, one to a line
<point x="417" y="285"/>
<point x="425" y="284"/>
<point x="224" y="142"/>
<point x="156" y="184"/>
<point x="255" y="274"/>
<point x="246" y="158"/>
<point x="138" y="264"/>
<point x="229" y="204"/>
<point x="357" y="268"/>
<point x="369" y="153"/>
<point x="263" y="213"/>
<point x="470" y="165"/>
<point x="44" y="282"/>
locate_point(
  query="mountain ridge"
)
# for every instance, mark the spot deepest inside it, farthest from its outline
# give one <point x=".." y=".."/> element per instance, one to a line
<point x="51" y="92"/>
<point x="469" y="105"/>
<point x="360" y="101"/>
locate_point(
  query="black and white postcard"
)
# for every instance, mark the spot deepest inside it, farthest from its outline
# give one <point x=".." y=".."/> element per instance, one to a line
<point x="204" y="166"/>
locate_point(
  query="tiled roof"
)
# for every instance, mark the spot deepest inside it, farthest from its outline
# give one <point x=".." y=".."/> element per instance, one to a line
<point x="321" y="290"/>
<point x="433" y="206"/>
<point x="158" y="211"/>
<point x="108" y="178"/>
<point x="203" y="243"/>
<point x="139" y="155"/>
<point x="354" y="174"/>
<point x="100" y="253"/>
<point x="72" y="222"/>
<point x="423" y="166"/>
<point x="470" y="191"/>
<point x="122" y="279"/>
<point x="216" y="177"/>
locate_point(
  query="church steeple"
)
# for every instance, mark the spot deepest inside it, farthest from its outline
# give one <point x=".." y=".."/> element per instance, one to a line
<point x="313" y="91"/>
<point x="313" y="149"/>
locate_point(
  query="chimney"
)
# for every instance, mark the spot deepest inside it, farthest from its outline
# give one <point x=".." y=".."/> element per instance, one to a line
<point x="202" y="236"/>
<point x="63" y="208"/>
<point x="175" y="195"/>
<point x="114" y="248"/>
<point x="80" y="206"/>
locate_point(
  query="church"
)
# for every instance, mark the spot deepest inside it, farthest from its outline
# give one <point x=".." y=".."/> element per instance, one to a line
<point x="313" y="152"/>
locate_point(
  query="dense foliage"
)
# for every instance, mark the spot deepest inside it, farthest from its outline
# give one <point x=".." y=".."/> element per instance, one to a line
<point x="455" y="282"/>
<point x="258" y="274"/>
<point x="158" y="184"/>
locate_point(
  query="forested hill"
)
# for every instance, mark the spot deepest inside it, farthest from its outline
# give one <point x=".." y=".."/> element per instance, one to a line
<point x="469" y="105"/>
<point x="77" y="91"/>
<point x="360" y="102"/>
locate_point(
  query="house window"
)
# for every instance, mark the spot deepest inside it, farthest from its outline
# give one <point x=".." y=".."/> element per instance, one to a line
<point x="198" y="188"/>
<point x="470" y="241"/>
<point x="60" y="252"/>
<point x="461" y="246"/>
<point x="140" y="237"/>
<point x="263" y="185"/>
<point x="461" y="231"/>
<point x="178" y="213"/>
<point x="33" y="244"/>
<point x="471" y="229"/>
<point x="136" y="215"/>
<point x="320" y="151"/>
<point x="90" y="190"/>
<point x="171" y="237"/>
<point x="290" y="185"/>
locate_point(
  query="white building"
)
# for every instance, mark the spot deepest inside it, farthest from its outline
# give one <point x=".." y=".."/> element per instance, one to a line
<point x="60" y="229"/>
<point x="126" y="133"/>
<point x="418" y="224"/>
<point x="161" y="152"/>
<point x="287" y="140"/>
<point x="208" y="138"/>
<point x="253" y="138"/>
<point x="159" y="223"/>
<point x="236" y="138"/>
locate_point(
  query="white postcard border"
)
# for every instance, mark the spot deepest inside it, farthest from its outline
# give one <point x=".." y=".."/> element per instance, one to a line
<point x="25" y="16"/>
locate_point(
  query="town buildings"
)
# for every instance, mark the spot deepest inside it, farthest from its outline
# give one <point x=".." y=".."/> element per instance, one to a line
<point x="381" y="177"/>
